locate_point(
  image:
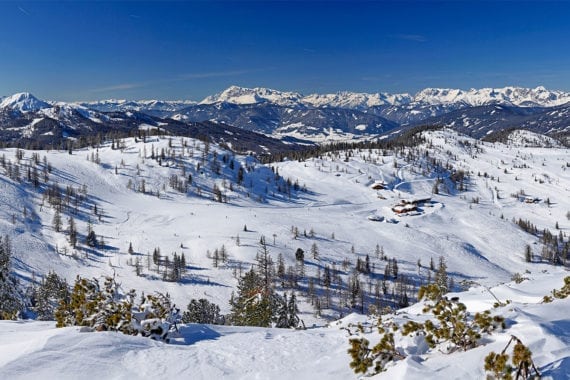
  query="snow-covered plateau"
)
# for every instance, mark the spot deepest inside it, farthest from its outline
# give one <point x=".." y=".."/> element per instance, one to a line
<point x="447" y="197"/>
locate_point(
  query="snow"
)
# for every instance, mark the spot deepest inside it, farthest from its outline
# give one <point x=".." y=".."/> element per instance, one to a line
<point x="542" y="327"/>
<point x="241" y="95"/>
<point x="524" y="138"/>
<point x="31" y="350"/>
<point x="518" y="96"/>
<point x="478" y="240"/>
<point x="457" y="229"/>
<point x="202" y="352"/>
<point x="111" y="105"/>
<point x="23" y="102"/>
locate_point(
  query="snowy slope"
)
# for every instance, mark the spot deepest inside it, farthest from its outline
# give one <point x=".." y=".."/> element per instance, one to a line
<point x="472" y="230"/>
<point x="524" y="138"/>
<point x="152" y="107"/>
<point x="337" y="201"/>
<point x="31" y="350"/>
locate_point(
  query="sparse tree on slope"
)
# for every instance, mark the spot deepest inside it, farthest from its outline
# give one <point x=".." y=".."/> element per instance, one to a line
<point x="441" y="278"/>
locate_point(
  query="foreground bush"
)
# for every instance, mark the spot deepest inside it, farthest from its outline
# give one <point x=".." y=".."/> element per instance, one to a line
<point x="105" y="308"/>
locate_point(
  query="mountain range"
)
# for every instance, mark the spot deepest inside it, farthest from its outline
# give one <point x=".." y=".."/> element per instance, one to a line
<point x="279" y="115"/>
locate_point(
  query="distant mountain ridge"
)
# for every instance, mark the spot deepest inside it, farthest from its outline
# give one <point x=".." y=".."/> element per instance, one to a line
<point x="515" y="96"/>
<point x="313" y="118"/>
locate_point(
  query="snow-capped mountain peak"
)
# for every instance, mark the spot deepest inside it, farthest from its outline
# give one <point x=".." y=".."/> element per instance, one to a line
<point x="23" y="102"/>
<point x="511" y="96"/>
<point x="243" y="96"/>
<point x="516" y="96"/>
<point x="355" y="100"/>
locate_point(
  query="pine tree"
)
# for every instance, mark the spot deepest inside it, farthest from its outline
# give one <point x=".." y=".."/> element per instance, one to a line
<point x="281" y="319"/>
<point x="203" y="311"/>
<point x="315" y="251"/>
<point x="265" y="266"/>
<point x="280" y="267"/>
<point x="528" y="254"/>
<point x="292" y="310"/>
<point x="57" y="221"/>
<point x="11" y="299"/>
<point x="216" y="258"/>
<point x="251" y="306"/>
<point x="156" y="256"/>
<point x="48" y="295"/>
<point x="299" y="254"/>
<point x="72" y="232"/>
<point x="395" y="267"/>
<point x="441" y="278"/>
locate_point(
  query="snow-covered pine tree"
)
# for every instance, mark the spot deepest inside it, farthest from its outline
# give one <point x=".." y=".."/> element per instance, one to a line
<point x="156" y="317"/>
<point x="106" y="308"/>
<point x="48" y="295"/>
<point x="11" y="299"/>
<point x="77" y="311"/>
<point x="441" y="278"/>
<point x="292" y="312"/>
<point x="203" y="311"/>
<point x="265" y="266"/>
<point x="281" y="315"/>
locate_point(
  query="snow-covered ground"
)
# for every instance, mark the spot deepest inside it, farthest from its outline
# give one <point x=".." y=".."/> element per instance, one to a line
<point x="32" y="350"/>
<point x="472" y="230"/>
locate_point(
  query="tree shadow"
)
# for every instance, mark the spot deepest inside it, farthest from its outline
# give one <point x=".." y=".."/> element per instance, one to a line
<point x="194" y="333"/>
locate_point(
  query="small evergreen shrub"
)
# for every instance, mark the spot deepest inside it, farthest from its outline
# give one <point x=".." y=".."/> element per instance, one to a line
<point x="498" y="366"/>
<point x="105" y="308"/>
<point x="453" y="326"/>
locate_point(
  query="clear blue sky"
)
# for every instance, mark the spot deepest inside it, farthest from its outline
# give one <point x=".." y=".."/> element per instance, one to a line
<point x="188" y="50"/>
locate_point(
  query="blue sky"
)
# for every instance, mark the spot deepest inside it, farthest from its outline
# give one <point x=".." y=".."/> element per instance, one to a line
<point x="188" y="50"/>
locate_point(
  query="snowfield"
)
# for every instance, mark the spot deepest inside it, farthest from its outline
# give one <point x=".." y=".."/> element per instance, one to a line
<point x="328" y="201"/>
<point x="32" y="350"/>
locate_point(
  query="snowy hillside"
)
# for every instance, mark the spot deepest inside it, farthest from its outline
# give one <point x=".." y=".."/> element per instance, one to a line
<point x="153" y="107"/>
<point x="523" y="138"/>
<point x="182" y="216"/>
<point x="354" y="213"/>
<point x="30" y="350"/>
